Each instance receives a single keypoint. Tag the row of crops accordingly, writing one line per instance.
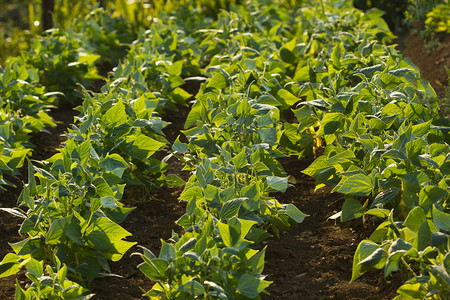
(356, 102)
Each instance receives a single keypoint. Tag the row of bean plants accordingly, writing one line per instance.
(48, 75)
(71, 205)
(386, 149)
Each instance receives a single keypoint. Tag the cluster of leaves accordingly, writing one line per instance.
(384, 146)
(23, 111)
(53, 68)
(438, 19)
(429, 17)
(61, 64)
(117, 123)
(67, 58)
(72, 217)
(104, 34)
(417, 10)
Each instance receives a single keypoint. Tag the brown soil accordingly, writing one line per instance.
(310, 261)
(314, 260)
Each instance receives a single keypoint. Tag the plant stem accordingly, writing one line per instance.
(408, 267)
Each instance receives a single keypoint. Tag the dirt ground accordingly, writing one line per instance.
(310, 261)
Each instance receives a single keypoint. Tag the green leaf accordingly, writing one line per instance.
(257, 261)
(375, 260)
(337, 53)
(116, 115)
(56, 231)
(31, 180)
(240, 160)
(250, 63)
(305, 73)
(225, 234)
(201, 245)
(175, 68)
(351, 209)
(196, 113)
(10, 265)
(268, 135)
(441, 219)
(414, 111)
(364, 250)
(287, 56)
(251, 286)
(231, 208)
(109, 202)
(188, 245)
(36, 268)
(173, 180)
(385, 196)
(381, 213)
(393, 262)
(438, 149)
(430, 195)
(319, 164)
(356, 185)
(411, 291)
(180, 96)
(115, 164)
(193, 287)
(415, 219)
(295, 214)
(279, 184)
(179, 146)
(287, 97)
(421, 129)
(218, 81)
(331, 122)
(168, 252)
(106, 235)
(20, 293)
(414, 148)
(143, 146)
(424, 237)
(377, 124)
(191, 193)
(30, 245)
(155, 268)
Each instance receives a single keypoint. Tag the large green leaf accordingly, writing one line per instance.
(287, 97)
(415, 219)
(356, 185)
(441, 219)
(231, 208)
(116, 115)
(193, 287)
(115, 164)
(279, 184)
(11, 264)
(295, 214)
(364, 250)
(251, 286)
(155, 268)
(351, 209)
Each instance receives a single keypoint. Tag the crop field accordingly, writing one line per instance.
(225, 150)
